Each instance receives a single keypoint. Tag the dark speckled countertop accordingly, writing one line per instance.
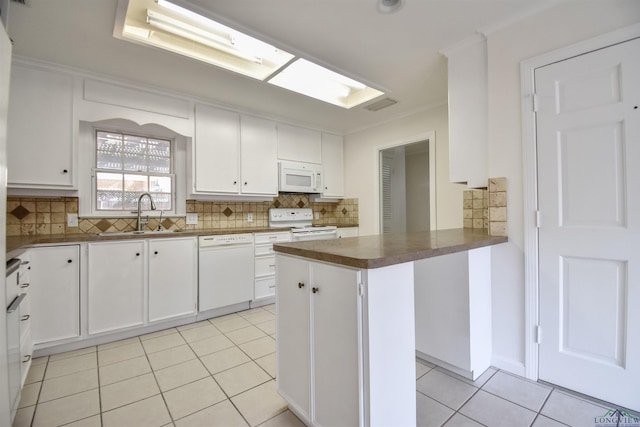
(389, 249)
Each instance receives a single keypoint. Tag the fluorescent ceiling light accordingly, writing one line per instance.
(171, 27)
(165, 25)
(310, 79)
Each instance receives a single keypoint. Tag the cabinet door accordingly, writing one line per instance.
(216, 150)
(337, 369)
(172, 278)
(332, 165)
(292, 329)
(55, 293)
(299, 144)
(116, 285)
(39, 131)
(258, 148)
(467, 80)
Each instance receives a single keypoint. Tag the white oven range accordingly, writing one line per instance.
(300, 220)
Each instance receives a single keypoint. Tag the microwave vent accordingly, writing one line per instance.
(383, 103)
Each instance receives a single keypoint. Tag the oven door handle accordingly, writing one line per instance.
(16, 303)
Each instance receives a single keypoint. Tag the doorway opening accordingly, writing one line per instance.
(407, 187)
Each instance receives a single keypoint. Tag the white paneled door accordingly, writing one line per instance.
(588, 142)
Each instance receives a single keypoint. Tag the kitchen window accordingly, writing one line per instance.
(128, 165)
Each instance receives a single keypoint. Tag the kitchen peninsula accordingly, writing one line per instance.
(347, 317)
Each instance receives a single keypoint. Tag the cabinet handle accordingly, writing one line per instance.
(315, 290)
(25, 318)
(24, 263)
(69, 261)
(272, 265)
(27, 358)
(65, 171)
(24, 285)
(300, 285)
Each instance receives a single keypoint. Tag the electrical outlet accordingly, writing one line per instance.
(72, 220)
(316, 215)
(192, 219)
(249, 217)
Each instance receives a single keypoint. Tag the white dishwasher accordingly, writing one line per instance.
(226, 270)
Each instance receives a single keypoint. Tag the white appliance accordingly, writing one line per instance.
(300, 220)
(226, 270)
(298, 177)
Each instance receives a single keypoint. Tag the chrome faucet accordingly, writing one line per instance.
(153, 208)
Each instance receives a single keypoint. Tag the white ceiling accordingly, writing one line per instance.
(398, 53)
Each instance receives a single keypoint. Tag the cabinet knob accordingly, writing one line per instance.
(137, 253)
(315, 290)
(69, 261)
(300, 285)
(65, 171)
(155, 252)
(245, 183)
(235, 182)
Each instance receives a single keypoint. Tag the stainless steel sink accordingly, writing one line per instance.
(135, 232)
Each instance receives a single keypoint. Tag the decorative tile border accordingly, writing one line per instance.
(48, 215)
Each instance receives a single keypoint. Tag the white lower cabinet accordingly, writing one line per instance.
(26, 342)
(173, 278)
(54, 293)
(115, 285)
(135, 282)
(319, 364)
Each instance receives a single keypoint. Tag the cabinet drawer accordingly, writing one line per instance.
(272, 237)
(265, 266)
(265, 287)
(264, 250)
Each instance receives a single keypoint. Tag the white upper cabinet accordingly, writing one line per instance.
(258, 156)
(216, 167)
(40, 136)
(467, 73)
(299, 144)
(332, 165)
(233, 154)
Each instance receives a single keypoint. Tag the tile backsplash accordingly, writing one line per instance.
(487, 208)
(48, 215)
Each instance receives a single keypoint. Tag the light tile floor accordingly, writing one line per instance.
(221, 372)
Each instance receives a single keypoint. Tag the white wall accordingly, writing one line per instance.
(361, 166)
(5, 67)
(563, 25)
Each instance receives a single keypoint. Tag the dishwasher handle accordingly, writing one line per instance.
(16, 303)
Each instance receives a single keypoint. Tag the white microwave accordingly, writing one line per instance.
(298, 177)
